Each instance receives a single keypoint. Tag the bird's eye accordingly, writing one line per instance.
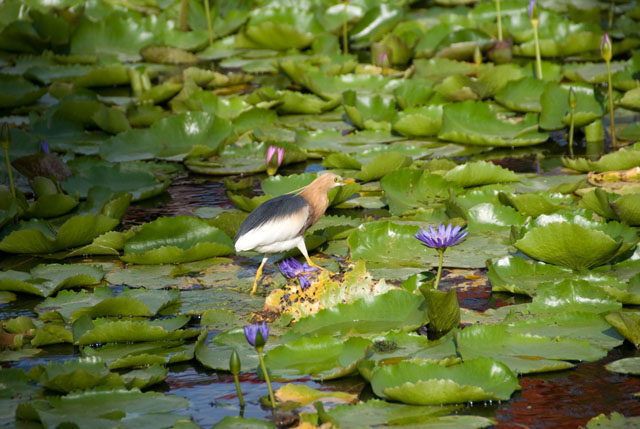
(336, 179)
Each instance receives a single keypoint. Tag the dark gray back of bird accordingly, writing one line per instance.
(279, 207)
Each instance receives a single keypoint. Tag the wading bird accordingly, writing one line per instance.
(279, 224)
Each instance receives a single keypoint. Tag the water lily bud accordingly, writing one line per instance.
(234, 363)
(534, 16)
(477, 56)
(5, 138)
(606, 49)
(572, 99)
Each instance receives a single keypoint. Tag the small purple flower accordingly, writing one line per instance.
(251, 334)
(442, 238)
(44, 146)
(292, 269)
(272, 150)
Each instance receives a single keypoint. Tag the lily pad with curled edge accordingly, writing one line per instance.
(102, 302)
(46, 280)
(487, 216)
(419, 121)
(377, 413)
(176, 239)
(81, 374)
(627, 323)
(17, 91)
(37, 236)
(407, 189)
(396, 309)
(103, 407)
(473, 122)
(534, 205)
(555, 112)
(171, 138)
(374, 112)
(383, 244)
(326, 141)
(524, 353)
(381, 165)
(322, 357)
(622, 159)
(479, 173)
(522, 95)
(518, 275)
(413, 93)
(87, 331)
(426, 383)
(282, 29)
(575, 242)
(125, 355)
(625, 366)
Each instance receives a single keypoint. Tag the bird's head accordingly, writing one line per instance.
(327, 181)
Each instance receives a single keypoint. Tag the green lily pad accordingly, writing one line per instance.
(375, 412)
(574, 245)
(572, 295)
(384, 244)
(102, 407)
(373, 112)
(396, 346)
(125, 355)
(621, 159)
(17, 91)
(407, 189)
(46, 280)
(367, 315)
(524, 353)
(518, 275)
(381, 165)
(613, 421)
(172, 138)
(555, 106)
(322, 357)
(81, 374)
(625, 366)
(87, 331)
(177, 239)
(282, 28)
(522, 95)
(627, 324)
(38, 237)
(419, 121)
(480, 173)
(141, 184)
(426, 383)
(473, 123)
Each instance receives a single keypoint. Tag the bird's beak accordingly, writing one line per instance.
(348, 180)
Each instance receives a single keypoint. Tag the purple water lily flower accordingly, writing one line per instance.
(292, 269)
(44, 146)
(442, 238)
(251, 334)
(532, 9)
(272, 150)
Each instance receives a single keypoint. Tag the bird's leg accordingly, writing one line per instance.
(258, 275)
(303, 249)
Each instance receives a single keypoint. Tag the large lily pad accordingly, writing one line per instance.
(172, 138)
(474, 123)
(323, 357)
(524, 353)
(425, 383)
(177, 239)
(46, 280)
(408, 189)
(480, 173)
(125, 355)
(555, 106)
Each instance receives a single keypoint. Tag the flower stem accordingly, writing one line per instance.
(11, 183)
(207, 11)
(571, 125)
(499, 16)
(240, 397)
(437, 281)
(535, 23)
(266, 377)
(612, 125)
(345, 38)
